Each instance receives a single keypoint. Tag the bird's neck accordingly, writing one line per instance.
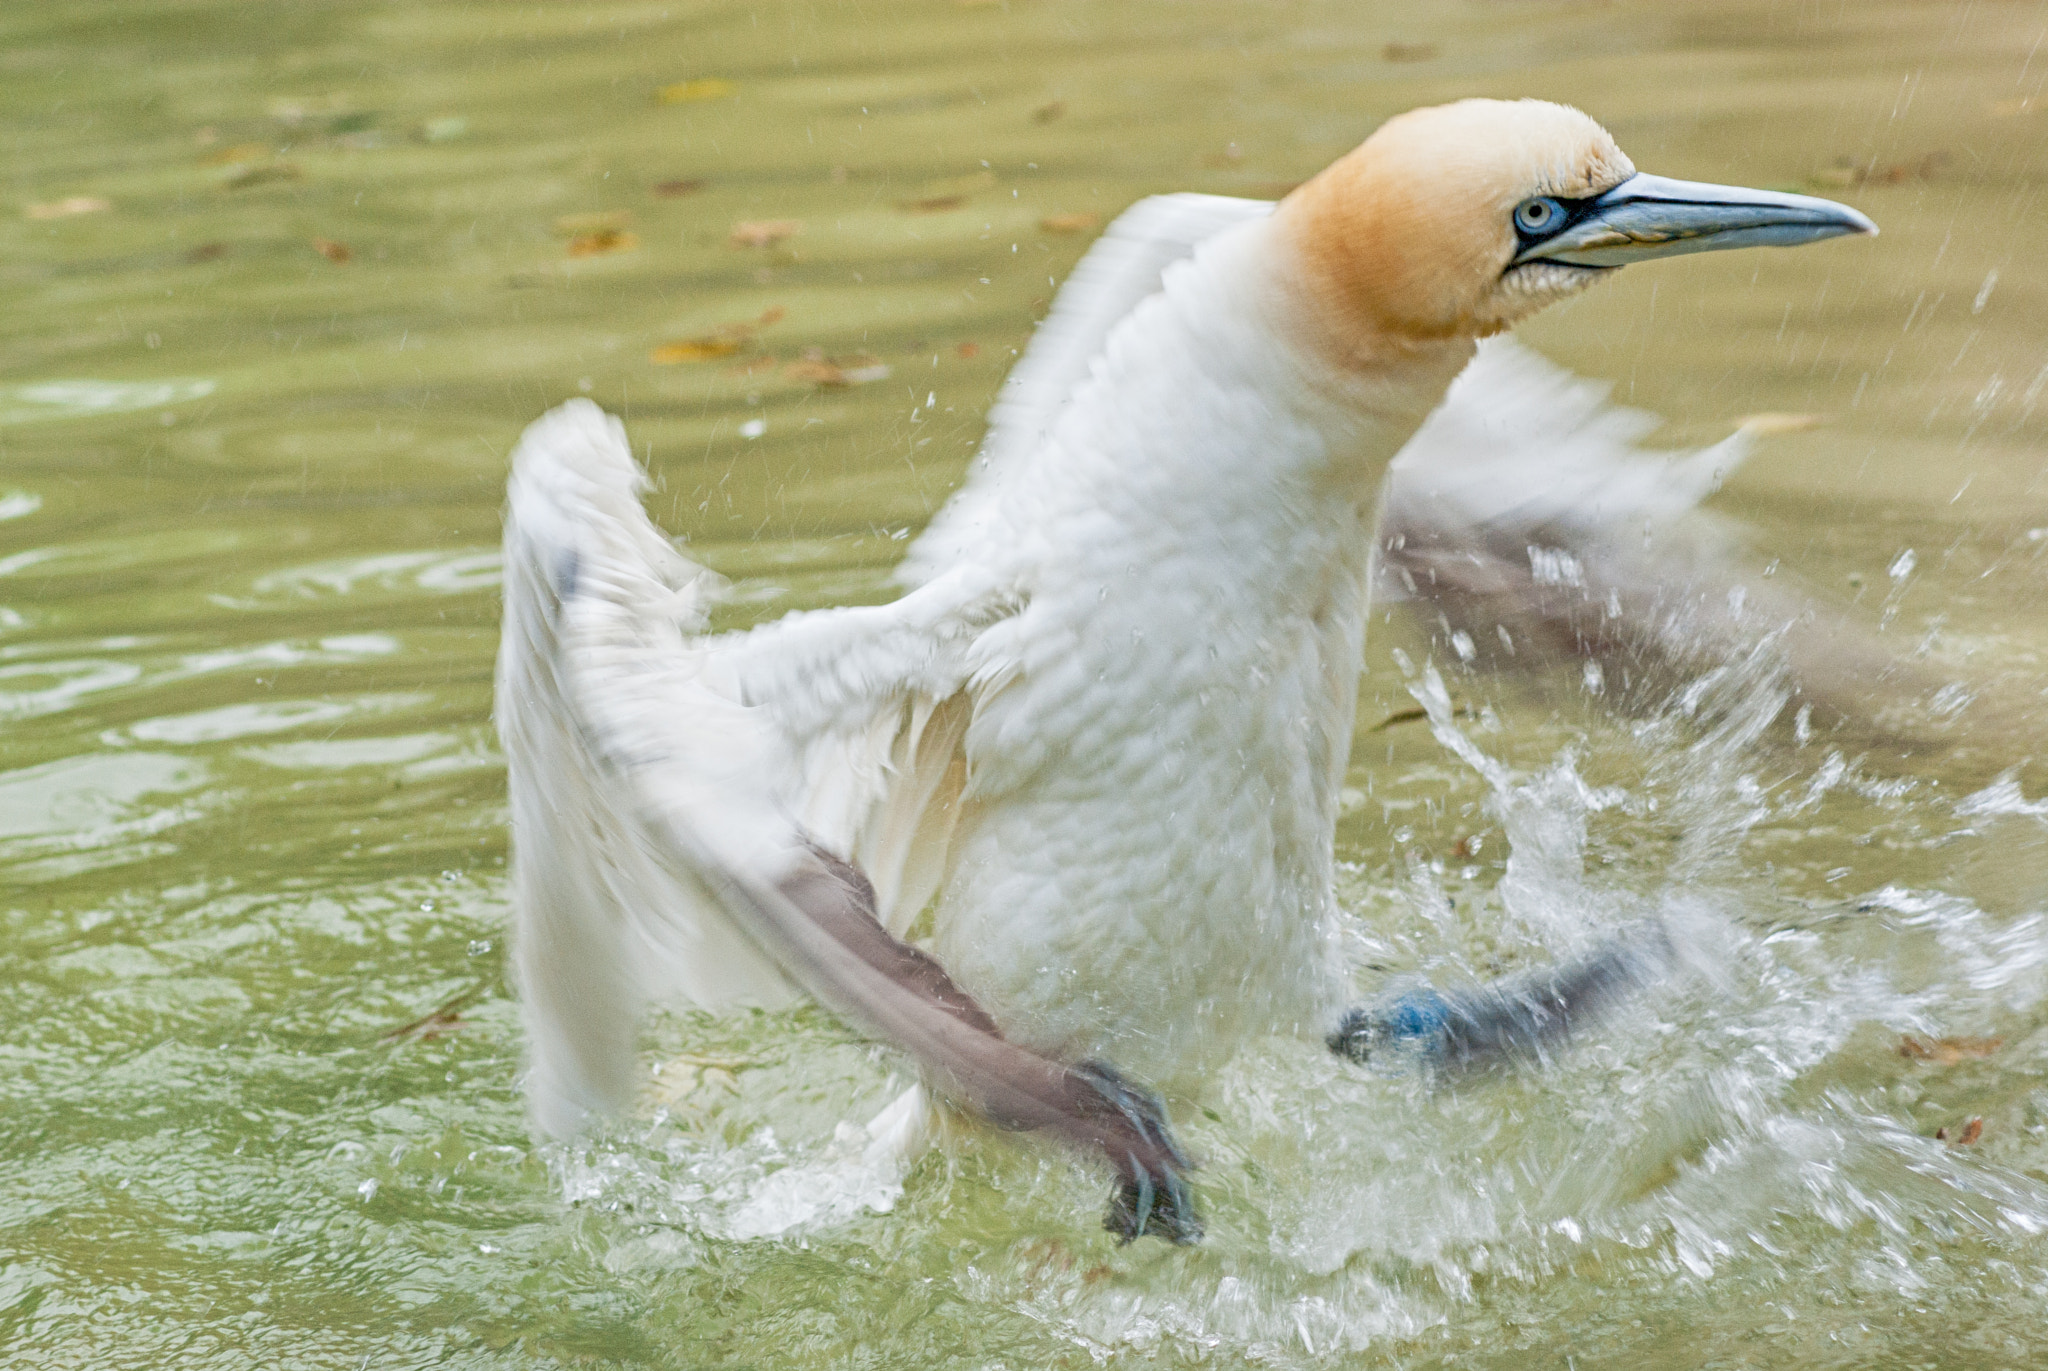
(1229, 420)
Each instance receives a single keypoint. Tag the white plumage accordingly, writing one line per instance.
(1093, 753)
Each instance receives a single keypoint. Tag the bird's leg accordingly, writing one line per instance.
(904, 995)
(1516, 1017)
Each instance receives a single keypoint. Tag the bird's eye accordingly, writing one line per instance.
(1540, 215)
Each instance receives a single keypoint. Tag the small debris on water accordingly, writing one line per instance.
(1948, 1051)
(728, 339)
(696, 350)
(836, 372)
(1971, 1131)
(332, 250)
(603, 241)
(445, 1019)
(263, 174)
(1771, 422)
(764, 233)
(67, 207)
(1079, 222)
(1045, 114)
(676, 189)
(695, 92)
(1409, 52)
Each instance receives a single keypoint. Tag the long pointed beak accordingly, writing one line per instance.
(1654, 216)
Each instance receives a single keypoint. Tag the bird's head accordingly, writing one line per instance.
(1461, 220)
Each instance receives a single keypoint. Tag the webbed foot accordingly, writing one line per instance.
(1516, 1017)
(1151, 1196)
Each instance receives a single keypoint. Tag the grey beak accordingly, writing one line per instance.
(1654, 216)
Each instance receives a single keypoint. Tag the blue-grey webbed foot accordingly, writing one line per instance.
(1517, 1017)
(1151, 1196)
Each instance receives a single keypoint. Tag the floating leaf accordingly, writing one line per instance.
(1408, 52)
(257, 176)
(695, 92)
(968, 351)
(207, 252)
(70, 205)
(696, 350)
(331, 250)
(1069, 223)
(676, 189)
(774, 314)
(1045, 114)
(764, 233)
(603, 241)
(935, 204)
(1972, 1131)
(1948, 1051)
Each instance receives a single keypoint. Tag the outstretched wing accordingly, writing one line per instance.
(1123, 267)
(683, 806)
(1528, 523)
(747, 750)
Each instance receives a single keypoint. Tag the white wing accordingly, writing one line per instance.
(683, 807)
(1123, 267)
(654, 772)
(1522, 444)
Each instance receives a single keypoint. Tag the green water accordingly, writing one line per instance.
(252, 815)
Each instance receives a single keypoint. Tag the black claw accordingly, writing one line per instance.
(1151, 1196)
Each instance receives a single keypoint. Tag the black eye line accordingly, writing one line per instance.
(1574, 211)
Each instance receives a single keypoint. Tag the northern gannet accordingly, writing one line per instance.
(1092, 757)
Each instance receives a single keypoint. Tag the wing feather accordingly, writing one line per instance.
(666, 784)
(1123, 267)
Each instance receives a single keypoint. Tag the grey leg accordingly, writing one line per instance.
(1518, 1017)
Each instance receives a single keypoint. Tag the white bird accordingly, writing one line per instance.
(1092, 757)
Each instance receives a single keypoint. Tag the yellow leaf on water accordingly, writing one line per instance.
(70, 205)
(695, 92)
(331, 250)
(602, 241)
(695, 350)
(764, 233)
(1069, 223)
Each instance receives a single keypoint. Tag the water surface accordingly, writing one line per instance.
(285, 282)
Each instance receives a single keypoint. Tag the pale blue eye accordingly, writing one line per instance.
(1541, 215)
